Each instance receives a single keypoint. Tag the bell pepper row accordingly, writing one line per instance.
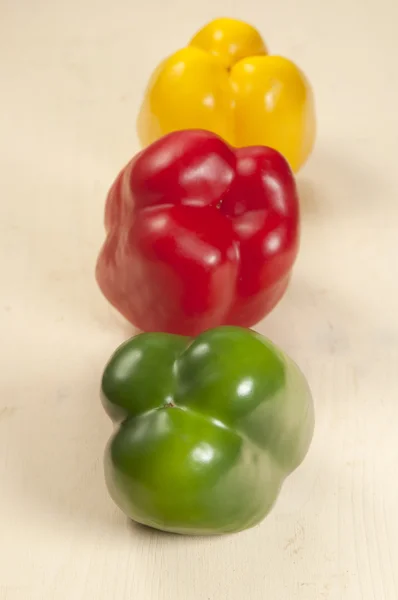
(202, 232)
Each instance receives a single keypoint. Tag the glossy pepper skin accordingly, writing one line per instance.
(207, 429)
(226, 82)
(199, 234)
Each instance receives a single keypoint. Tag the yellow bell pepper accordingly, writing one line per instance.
(226, 82)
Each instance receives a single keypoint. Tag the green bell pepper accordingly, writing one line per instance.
(207, 428)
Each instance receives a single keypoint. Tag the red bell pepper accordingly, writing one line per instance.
(199, 234)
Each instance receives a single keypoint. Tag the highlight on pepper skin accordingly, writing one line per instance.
(226, 81)
(204, 447)
(199, 234)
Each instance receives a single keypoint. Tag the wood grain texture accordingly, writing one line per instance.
(72, 75)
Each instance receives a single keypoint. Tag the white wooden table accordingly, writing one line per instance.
(71, 78)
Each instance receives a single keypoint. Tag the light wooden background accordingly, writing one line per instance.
(71, 78)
